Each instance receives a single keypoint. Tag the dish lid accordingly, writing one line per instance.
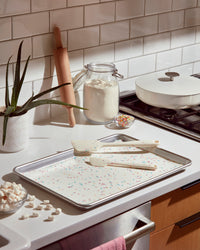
(170, 85)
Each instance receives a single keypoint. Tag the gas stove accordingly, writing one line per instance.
(182, 121)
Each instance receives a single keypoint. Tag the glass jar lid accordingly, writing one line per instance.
(103, 68)
(97, 68)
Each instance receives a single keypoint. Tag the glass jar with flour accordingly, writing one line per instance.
(101, 92)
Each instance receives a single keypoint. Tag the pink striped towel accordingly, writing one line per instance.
(116, 244)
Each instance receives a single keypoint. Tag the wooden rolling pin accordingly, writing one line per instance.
(64, 75)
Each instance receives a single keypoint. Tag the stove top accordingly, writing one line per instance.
(183, 121)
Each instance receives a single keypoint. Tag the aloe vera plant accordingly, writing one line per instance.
(11, 104)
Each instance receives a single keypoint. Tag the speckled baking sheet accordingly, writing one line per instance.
(73, 179)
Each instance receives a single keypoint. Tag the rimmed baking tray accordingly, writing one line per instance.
(71, 178)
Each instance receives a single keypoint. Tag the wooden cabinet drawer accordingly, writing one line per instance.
(175, 206)
(176, 238)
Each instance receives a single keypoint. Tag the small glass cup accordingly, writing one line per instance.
(124, 121)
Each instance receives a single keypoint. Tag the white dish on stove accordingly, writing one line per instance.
(177, 93)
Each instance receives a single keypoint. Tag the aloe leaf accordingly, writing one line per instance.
(5, 123)
(50, 90)
(48, 101)
(9, 110)
(7, 100)
(23, 108)
(25, 68)
(28, 105)
(17, 76)
(22, 79)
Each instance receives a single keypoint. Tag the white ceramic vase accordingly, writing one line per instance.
(17, 134)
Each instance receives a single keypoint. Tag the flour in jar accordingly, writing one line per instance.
(101, 98)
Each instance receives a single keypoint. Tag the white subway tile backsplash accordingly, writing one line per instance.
(2, 99)
(139, 36)
(191, 53)
(156, 43)
(157, 6)
(81, 2)
(183, 37)
(83, 38)
(114, 32)
(128, 49)
(127, 85)
(43, 45)
(10, 48)
(129, 8)
(168, 59)
(76, 60)
(53, 82)
(196, 68)
(3, 76)
(31, 24)
(14, 7)
(5, 28)
(142, 65)
(37, 69)
(104, 53)
(144, 26)
(26, 93)
(171, 21)
(192, 17)
(38, 5)
(198, 34)
(42, 85)
(65, 19)
(185, 69)
(41, 113)
(102, 1)
(183, 4)
(122, 68)
(99, 13)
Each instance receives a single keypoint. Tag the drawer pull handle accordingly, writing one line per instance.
(191, 184)
(147, 227)
(189, 220)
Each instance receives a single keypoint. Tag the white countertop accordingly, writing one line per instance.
(50, 139)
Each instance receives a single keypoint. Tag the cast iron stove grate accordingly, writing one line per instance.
(183, 121)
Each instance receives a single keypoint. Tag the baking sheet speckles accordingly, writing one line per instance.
(81, 183)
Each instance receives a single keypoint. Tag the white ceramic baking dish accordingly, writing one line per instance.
(167, 91)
